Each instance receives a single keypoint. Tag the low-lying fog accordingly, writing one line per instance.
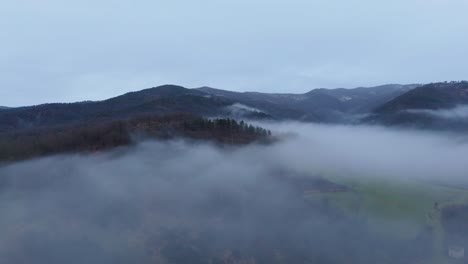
(370, 151)
(185, 202)
(458, 113)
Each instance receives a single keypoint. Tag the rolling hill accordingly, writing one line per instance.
(431, 96)
(434, 106)
(167, 99)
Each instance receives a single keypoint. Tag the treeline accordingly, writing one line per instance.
(101, 136)
(221, 130)
(228, 125)
(48, 141)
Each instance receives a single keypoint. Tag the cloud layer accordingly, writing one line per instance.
(169, 202)
(459, 113)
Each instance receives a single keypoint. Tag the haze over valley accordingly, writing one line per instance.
(176, 175)
(234, 132)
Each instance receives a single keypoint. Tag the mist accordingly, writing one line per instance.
(240, 110)
(189, 202)
(458, 113)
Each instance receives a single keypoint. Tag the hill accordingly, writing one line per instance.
(100, 136)
(167, 99)
(431, 96)
(319, 105)
(435, 105)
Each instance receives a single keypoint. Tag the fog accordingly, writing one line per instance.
(459, 113)
(189, 202)
(238, 109)
(372, 151)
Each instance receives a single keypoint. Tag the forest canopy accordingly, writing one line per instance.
(91, 137)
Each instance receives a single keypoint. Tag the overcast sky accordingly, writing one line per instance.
(55, 50)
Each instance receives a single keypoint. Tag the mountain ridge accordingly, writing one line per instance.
(165, 99)
(439, 106)
(321, 105)
(384, 104)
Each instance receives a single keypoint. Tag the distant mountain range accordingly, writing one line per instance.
(321, 105)
(391, 104)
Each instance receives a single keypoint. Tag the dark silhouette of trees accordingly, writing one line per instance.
(94, 137)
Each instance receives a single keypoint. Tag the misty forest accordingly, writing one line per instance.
(175, 175)
(234, 132)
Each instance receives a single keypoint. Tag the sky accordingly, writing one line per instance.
(64, 51)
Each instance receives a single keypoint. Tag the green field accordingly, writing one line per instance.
(399, 209)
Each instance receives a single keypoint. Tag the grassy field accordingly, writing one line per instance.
(397, 208)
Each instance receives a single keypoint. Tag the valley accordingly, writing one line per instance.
(175, 175)
(234, 132)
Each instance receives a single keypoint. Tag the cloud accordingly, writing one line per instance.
(240, 110)
(170, 202)
(458, 113)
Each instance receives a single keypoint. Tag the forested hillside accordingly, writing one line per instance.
(93, 137)
(440, 106)
(162, 100)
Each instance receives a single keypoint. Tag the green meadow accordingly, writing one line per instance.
(400, 209)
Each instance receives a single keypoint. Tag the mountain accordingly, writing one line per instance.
(275, 105)
(431, 96)
(3, 107)
(362, 99)
(435, 105)
(322, 105)
(165, 99)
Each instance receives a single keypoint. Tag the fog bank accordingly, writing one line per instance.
(457, 113)
(180, 202)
